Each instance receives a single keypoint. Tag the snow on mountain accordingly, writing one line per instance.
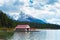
(25, 17)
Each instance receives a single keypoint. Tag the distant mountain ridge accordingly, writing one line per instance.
(6, 22)
(22, 17)
(26, 17)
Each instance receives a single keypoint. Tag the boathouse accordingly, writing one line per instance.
(22, 28)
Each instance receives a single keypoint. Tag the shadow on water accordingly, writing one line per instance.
(28, 36)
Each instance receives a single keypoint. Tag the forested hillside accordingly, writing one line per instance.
(6, 22)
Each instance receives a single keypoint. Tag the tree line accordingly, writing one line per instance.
(6, 22)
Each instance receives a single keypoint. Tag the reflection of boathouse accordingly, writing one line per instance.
(22, 28)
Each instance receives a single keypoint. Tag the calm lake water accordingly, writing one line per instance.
(41, 35)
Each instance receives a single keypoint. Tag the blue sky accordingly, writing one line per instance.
(41, 9)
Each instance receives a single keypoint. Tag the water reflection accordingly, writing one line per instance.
(29, 36)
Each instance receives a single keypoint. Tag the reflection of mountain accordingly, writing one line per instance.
(25, 17)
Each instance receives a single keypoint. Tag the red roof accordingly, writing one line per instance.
(22, 26)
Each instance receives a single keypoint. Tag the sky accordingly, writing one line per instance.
(41, 9)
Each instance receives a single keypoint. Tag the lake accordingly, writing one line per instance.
(40, 35)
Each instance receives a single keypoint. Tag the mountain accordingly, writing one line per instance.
(6, 22)
(22, 17)
(28, 18)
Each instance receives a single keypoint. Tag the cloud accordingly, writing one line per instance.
(54, 21)
(18, 3)
(14, 15)
(41, 9)
(1, 2)
(9, 6)
(49, 12)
